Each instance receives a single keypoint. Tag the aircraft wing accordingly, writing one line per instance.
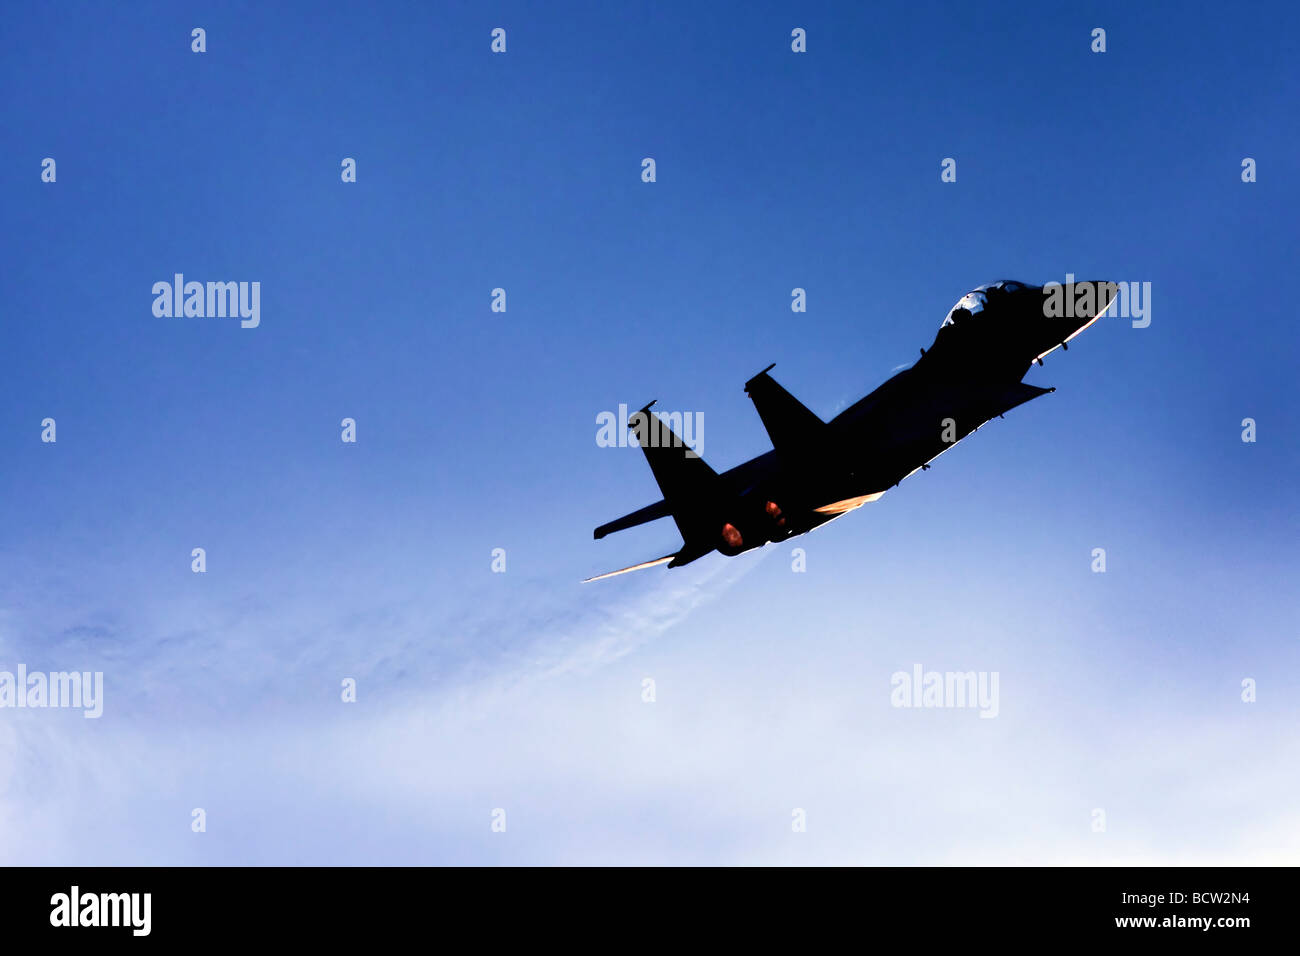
(1017, 394)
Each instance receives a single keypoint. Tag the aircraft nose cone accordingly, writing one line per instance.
(1088, 303)
(1071, 308)
(1085, 300)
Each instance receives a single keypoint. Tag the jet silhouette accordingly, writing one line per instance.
(816, 470)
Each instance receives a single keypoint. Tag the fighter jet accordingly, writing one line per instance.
(819, 470)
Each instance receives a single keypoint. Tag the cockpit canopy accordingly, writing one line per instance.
(977, 300)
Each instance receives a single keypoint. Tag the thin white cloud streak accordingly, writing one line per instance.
(208, 675)
(546, 721)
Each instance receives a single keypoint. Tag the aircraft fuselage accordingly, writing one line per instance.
(816, 471)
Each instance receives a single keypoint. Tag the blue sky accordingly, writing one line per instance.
(476, 430)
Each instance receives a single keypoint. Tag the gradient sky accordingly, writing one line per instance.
(476, 430)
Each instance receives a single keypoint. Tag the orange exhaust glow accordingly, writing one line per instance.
(848, 504)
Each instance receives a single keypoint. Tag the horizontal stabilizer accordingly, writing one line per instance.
(691, 551)
(789, 423)
(649, 513)
(688, 554)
